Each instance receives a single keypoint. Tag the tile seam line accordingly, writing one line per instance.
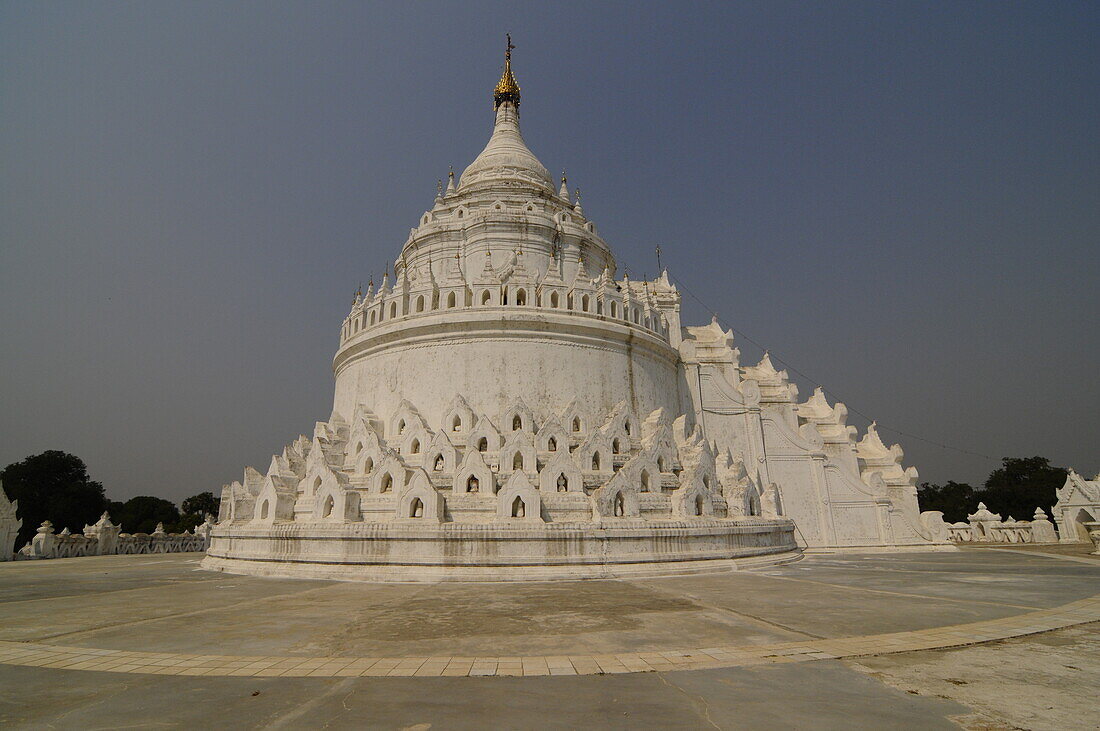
(1028, 607)
(1064, 557)
(761, 621)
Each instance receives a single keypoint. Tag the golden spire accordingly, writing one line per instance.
(507, 89)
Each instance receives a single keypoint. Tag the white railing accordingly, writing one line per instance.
(106, 538)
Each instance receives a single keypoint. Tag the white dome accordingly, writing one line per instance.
(506, 158)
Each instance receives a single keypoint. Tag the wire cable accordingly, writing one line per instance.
(835, 396)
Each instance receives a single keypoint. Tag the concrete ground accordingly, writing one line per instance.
(1082, 551)
(164, 604)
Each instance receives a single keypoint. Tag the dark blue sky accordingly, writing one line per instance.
(901, 200)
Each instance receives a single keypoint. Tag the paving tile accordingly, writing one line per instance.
(346, 672)
(460, 671)
(375, 672)
(430, 670)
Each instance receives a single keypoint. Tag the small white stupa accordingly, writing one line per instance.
(508, 408)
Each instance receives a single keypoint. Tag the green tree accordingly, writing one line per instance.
(200, 504)
(1020, 485)
(955, 499)
(195, 509)
(53, 486)
(142, 513)
(1015, 489)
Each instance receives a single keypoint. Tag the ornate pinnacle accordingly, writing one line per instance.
(507, 90)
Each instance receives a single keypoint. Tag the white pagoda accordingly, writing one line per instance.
(508, 408)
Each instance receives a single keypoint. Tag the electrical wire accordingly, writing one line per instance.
(835, 396)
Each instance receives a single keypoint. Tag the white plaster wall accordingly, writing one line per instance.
(493, 359)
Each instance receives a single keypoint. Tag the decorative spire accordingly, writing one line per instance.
(564, 192)
(507, 89)
(487, 271)
(506, 159)
(577, 206)
(582, 271)
(451, 180)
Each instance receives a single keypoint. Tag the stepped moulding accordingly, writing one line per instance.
(509, 408)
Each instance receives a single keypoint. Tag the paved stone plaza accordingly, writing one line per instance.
(833, 641)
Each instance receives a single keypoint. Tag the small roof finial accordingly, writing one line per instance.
(564, 192)
(507, 90)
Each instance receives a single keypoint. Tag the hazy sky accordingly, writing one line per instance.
(901, 200)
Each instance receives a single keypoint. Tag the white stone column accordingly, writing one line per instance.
(44, 543)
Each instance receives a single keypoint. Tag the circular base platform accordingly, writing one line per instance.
(533, 552)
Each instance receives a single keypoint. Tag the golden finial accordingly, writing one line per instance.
(507, 89)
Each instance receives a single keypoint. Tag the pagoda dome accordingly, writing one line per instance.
(506, 159)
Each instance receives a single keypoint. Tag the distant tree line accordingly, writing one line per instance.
(55, 486)
(1015, 489)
